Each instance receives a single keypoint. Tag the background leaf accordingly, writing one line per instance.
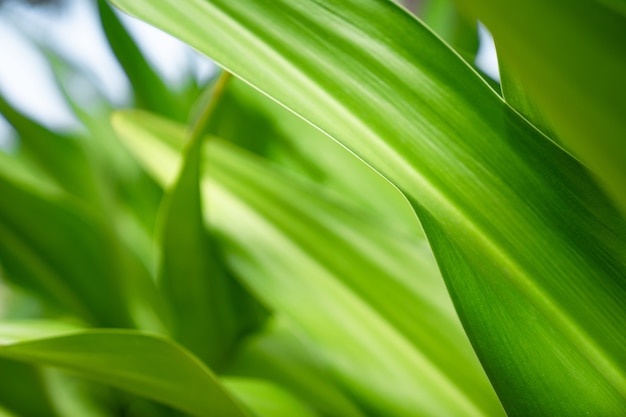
(266, 399)
(151, 92)
(570, 59)
(279, 354)
(22, 390)
(276, 235)
(211, 310)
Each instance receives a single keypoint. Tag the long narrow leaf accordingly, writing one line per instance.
(266, 399)
(569, 56)
(211, 310)
(139, 363)
(252, 120)
(281, 355)
(524, 217)
(371, 301)
(62, 157)
(54, 258)
(150, 90)
(517, 97)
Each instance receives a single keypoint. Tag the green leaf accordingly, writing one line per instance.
(72, 259)
(570, 58)
(266, 399)
(73, 396)
(53, 257)
(542, 250)
(130, 197)
(6, 413)
(296, 261)
(23, 391)
(63, 158)
(279, 353)
(617, 5)
(211, 310)
(142, 364)
(453, 25)
(150, 90)
(517, 97)
(322, 266)
(296, 145)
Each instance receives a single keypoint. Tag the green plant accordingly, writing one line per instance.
(244, 263)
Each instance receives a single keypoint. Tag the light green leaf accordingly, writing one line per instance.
(543, 252)
(33, 391)
(323, 267)
(266, 399)
(252, 120)
(142, 364)
(281, 354)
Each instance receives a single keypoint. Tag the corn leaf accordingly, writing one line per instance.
(142, 364)
(150, 90)
(73, 260)
(280, 354)
(517, 97)
(211, 310)
(541, 253)
(453, 25)
(130, 197)
(570, 58)
(23, 391)
(277, 236)
(278, 135)
(266, 399)
(43, 256)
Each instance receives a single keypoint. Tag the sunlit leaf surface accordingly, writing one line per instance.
(356, 290)
(533, 253)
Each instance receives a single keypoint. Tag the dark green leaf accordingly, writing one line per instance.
(570, 57)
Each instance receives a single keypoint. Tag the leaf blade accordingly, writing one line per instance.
(275, 230)
(491, 180)
(143, 364)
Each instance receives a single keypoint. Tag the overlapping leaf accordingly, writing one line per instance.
(139, 363)
(281, 355)
(570, 58)
(71, 259)
(370, 301)
(280, 136)
(533, 253)
(210, 309)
